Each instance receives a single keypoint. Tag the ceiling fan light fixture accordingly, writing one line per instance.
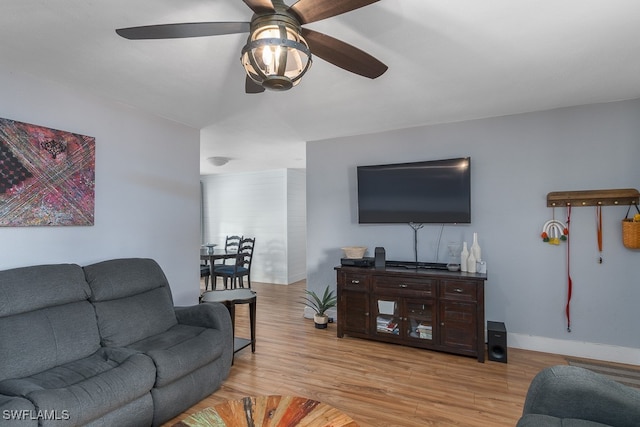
(276, 55)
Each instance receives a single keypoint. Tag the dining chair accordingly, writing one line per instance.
(240, 269)
(205, 271)
(231, 244)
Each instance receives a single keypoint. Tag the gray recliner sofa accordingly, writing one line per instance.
(569, 396)
(134, 310)
(103, 345)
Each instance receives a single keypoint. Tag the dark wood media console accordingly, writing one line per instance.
(427, 308)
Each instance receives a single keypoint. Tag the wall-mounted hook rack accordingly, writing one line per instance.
(624, 196)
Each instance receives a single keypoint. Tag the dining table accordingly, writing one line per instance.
(211, 254)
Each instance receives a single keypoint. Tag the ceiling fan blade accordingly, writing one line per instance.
(315, 10)
(252, 87)
(343, 55)
(260, 6)
(178, 31)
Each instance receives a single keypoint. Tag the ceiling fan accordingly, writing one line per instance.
(278, 49)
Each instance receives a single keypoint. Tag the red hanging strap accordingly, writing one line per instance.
(599, 230)
(569, 282)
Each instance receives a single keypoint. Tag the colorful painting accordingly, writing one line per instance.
(47, 176)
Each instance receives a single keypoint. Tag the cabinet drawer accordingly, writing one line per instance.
(460, 290)
(356, 282)
(406, 286)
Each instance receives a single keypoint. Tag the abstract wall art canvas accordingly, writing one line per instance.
(47, 176)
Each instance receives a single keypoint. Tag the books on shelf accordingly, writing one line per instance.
(425, 331)
(387, 324)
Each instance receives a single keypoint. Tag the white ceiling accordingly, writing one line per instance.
(448, 61)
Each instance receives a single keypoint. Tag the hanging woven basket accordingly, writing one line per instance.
(631, 231)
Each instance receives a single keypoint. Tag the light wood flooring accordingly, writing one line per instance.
(377, 384)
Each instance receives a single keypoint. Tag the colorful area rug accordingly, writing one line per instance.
(625, 375)
(269, 411)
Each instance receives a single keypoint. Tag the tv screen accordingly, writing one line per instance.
(436, 191)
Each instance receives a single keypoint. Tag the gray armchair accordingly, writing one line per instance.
(569, 396)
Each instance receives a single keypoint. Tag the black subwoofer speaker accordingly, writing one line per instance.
(497, 341)
(380, 258)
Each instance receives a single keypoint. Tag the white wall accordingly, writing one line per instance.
(260, 204)
(296, 225)
(147, 193)
(516, 161)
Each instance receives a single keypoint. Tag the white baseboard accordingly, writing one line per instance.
(297, 277)
(587, 350)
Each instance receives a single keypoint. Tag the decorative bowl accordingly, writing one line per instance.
(210, 247)
(354, 252)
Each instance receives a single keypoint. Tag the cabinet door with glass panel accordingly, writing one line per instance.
(420, 320)
(388, 317)
(405, 319)
(405, 308)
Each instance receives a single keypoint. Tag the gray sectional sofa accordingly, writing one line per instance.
(569, 396)
(103, 345)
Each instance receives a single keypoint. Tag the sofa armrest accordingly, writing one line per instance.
(17, 412)
(572, 392)
(210, 315)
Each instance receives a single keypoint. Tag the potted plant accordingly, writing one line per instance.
(320, 305)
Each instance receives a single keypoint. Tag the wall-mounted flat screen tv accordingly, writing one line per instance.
(436, 191)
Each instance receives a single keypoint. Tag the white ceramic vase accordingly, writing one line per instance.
(471, 263)
(475, 248)
(464, 255)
